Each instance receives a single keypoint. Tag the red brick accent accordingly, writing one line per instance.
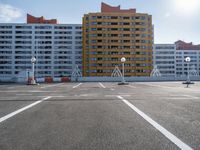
(29, 80)
(181, 45)
(41, 20)
(107, 8)
(65, 79)
(48, 79)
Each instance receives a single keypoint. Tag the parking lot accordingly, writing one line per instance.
(100, 116)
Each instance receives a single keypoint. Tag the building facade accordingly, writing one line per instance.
(184, 50)
(112, 34)
(164, 59)
(170, 58)
(57, 48)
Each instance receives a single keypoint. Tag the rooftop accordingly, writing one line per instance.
(181, 45)
(107, 8)
(31, 19)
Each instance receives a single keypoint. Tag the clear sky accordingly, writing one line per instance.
(173, 19)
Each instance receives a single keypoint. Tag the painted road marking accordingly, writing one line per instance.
(153, 85)
(181, 97)
(83, 95)
(131, 86)
(164, 131)
(52, 85)
(23, 94)
(102, 85)
(192, 97)
(77, 85)
(160, 86)
(115, 95)
(22, 109)
(126, 93)
(11, 87)
(27, 91)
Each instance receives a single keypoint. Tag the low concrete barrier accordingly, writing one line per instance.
(135, 79)
(99, 79)
(40, 80)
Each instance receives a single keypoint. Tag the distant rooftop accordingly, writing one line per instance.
(181, 45)
(31, 19)
(107, 8)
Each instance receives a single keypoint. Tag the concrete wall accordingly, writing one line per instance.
(107, 79)
(134, 79)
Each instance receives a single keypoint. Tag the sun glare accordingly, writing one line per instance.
(187, 7)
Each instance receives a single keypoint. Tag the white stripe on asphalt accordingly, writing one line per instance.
(22, 109)
(77, 85)
(52, 85)
(26, 91)
(165, 132)
(102, 85)
(192, 97)
(23, 94)
(11, 87)
(131, 86)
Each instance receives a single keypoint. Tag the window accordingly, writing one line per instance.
(126, 17)
(114, 17)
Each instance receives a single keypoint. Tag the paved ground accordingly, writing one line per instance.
(100, 116)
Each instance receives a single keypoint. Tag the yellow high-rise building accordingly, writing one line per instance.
(112, 34)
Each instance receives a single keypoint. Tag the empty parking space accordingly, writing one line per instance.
(91, 116)
(87, 124)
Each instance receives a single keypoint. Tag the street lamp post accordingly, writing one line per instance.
(33, 60)
(28, 76)
(187, 59)
(188, 82)
(123, 60)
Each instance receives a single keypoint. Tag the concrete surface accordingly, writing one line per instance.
(90, 116)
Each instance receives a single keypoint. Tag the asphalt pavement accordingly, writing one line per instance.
(100, 116)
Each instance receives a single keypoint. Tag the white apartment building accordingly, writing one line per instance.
(57, 48)
(170, 58)
(164, 59)
(181, 64)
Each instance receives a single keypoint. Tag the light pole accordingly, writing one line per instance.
(187, 59)
(28, 76)
(123, 60)
(188, 82)
(33, 60)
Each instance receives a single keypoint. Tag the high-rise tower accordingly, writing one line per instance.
(112, 34)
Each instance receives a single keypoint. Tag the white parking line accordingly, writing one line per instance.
(159, 86)
(27, 91)
(23, 94)
(77, 85)
(52, 85)
(131, 86)
(22, 109)
(115, 95)
(102, 85)
(192, 97)
(181, 97)
(11, 87)
(164, 131)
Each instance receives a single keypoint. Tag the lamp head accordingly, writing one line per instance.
(187, 59)
(33, 60)
(123, 59)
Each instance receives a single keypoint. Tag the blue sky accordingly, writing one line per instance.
(172, 19)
